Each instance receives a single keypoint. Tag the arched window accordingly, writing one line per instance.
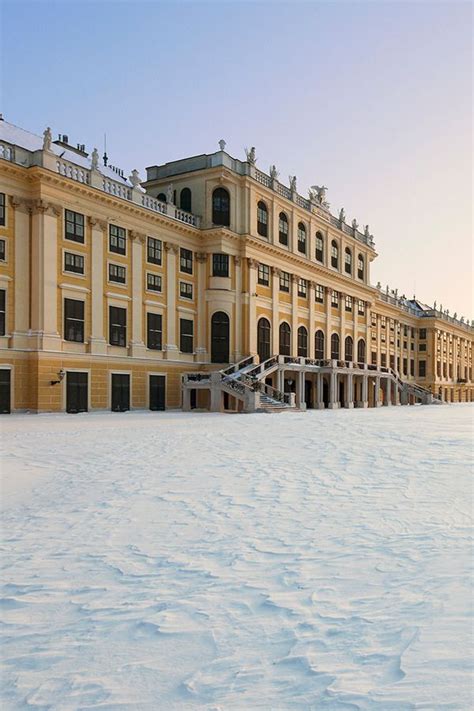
(302, 342)
(185, 199)
(161, 197)
(335, 346)
(334, 254)
(349, 349)
(301, 238)
(360, 266)
(319, 345)
(262, 219)
(285, 339)
(348, 261)
(263, 339)
(221, 207)
(220, 337)
(319, 247)
(361, 351)
(283, 229)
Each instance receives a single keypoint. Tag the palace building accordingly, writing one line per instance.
(211, 284)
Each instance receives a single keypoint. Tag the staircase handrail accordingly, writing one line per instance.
(260, 386)
(248, 360)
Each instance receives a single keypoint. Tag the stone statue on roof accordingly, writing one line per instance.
(367, 232)
(292, 179)
(135, 178)
(169, 194)
(321, 191)
(95, 159)
(342, 215)
(355, 224)
(222, 145)
(251, 157)
(273, 172)
(47, 139)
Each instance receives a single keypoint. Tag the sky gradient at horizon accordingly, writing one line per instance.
(372, 99)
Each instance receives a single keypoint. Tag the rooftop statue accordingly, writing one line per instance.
(342, 215)
(273, 172)
(95, 159)
(355, 224)
(367, 232)
(292, 179)
(251, 157)
(135, 178)
(379, 285)
(47, 139)
(169, 194)
(222, 145)
(321, 191)
(434, 306)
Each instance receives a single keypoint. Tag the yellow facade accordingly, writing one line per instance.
(139, 254)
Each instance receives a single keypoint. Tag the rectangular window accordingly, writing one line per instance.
(405, 366)
(392, 362)
(186, 260)
(264, 274)
(153, 282)
(2, 250)
(185, 290)
(186, 335)
(154, 250)
(335, 299)
(3, 294)
(422, 346)
(74, 320)
(383, 337)
(405, 331)
(319, 247)
(302, 288)
(2, 209)
(154, 331)
(383, 360)
(412, 332)
(405, 345)
(374, 319)
(383, 322)
(422, 334)
(361, 308)
(373, 358)
(220, 265)
(319, 294)
(117, 242)
(284, 281)
(348, 303)
(117, 273)
(74, 226)
(422, 368)
(412, 366)
(117, 326)
(73, 263)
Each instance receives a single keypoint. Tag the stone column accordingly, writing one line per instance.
(333, 403)
(21, 325)
(311, 329)
(342, 307)
(98, 340)
(377, 402)
(275, 310)
(368, 332)
(396, 394)
(238, 310)
(294, 315)
(281, 380)
(44, 286)
(137, 345)
(252, 321)
(387, 401)
(349, 392)
(171, 348)
(300, 390)
(327, 339)
(201, 348)
(365, 391)
(319, 395)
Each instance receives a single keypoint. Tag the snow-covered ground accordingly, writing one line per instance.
(315, 560)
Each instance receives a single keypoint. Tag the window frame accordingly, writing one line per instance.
(301, 238)
(3, 312)
(120, 328)
(75, 323)
(158, 346)
(265, 279)
(302, 288)
(334, 254)
(151, 248)
(3, 210)
(75, 255)
(319, 252)
(348, 261)
(111, 266)
(74, 236)
(118, 240)
(150, 288)
(283, 220)
(285, 282)
(183, 336)
(3, 242)
(186, 290)
(186, 261)
(220, 270)
(262, 224)
(319, 294)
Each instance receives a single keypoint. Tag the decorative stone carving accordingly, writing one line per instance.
(276, 272)
(169, 194)
(95, 159)
(355, 224)
(46, 208)
(47, 139)
(222, 145)
(379, 285)
(97, 222)
(135, 178)
(253, 264)
(170, 247)
(320, 191)
(251, 157)
(342, 215)
(138, 236)
(237, 260)
(292, 179)
(20, 203)
(201, 257)
(273, 172)
(367, 232)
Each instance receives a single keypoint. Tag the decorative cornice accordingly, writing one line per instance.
(21, 204)
(46, 208)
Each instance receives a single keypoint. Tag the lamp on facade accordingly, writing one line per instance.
(61, 375)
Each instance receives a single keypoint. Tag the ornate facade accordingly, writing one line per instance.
(117, 293)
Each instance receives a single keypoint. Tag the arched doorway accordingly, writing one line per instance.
(263, 339)
(220, 337)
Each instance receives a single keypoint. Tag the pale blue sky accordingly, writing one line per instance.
(373, 99)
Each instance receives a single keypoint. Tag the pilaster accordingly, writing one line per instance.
(252, 320)
(22, 272)
(201, 349)
(275, 311)
(44, 286)
(294, 315)
(171, 347)
(238, 310)
(137, 345)
(98, 342)
(311, 295)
